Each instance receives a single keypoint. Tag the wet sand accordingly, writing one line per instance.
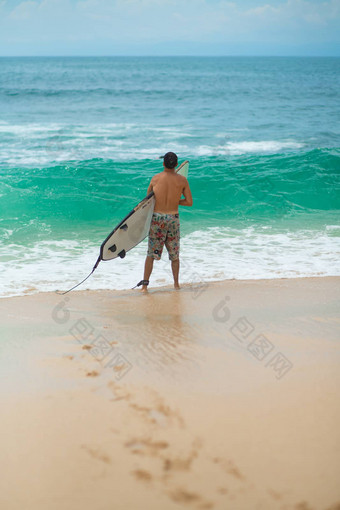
(219, 396)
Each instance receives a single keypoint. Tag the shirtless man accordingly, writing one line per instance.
(168, 188)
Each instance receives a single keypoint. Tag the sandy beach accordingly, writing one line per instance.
(218, 396)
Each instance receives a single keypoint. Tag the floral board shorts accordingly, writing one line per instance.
(164, 229)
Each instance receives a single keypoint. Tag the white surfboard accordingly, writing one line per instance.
(134, 227)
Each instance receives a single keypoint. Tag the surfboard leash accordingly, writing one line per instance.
(88, 276)
(142, 282)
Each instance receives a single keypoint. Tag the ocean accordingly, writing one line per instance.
(80, 139)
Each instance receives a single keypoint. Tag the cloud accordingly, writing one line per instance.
(24, 11)
(135, 22)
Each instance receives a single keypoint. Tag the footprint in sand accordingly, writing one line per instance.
(119, 392)
(303, 505)
(142, 475)
(185, 497)
(158, 413)
(336, 506)
(155, 411)
(275, 495)
(158, 417)
(229, 467)
(96, 454)
(182, 463)
(146, 446)
(93, 373)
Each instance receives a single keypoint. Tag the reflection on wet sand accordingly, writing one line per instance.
(158, 335)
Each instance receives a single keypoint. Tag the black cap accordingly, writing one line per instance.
(170, 160)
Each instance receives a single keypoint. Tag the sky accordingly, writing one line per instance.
(169, 27)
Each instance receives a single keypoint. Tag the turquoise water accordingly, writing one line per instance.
(80, 140)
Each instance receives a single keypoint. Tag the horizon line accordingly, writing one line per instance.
(170, 56)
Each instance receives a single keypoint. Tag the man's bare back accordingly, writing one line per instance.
(168, 187)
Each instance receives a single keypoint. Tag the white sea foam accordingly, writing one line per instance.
(214, 254)
(45, 143)
(28, 129)
(239, 148)
(332, 227)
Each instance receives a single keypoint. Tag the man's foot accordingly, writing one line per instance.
(144, 288)
(176, 285)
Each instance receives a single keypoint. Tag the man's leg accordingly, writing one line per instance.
(175, 272)
(147, 271)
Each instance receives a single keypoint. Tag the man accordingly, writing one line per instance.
(168, 188)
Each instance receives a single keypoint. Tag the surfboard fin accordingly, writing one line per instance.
(113, 248)
(124, 227)
(122, 254)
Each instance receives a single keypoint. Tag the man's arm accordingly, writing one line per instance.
(150, 188)
(187, 194)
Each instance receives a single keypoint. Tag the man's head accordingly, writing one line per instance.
(170, 160)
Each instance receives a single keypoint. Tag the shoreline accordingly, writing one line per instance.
(217, 398)
(185, 285)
